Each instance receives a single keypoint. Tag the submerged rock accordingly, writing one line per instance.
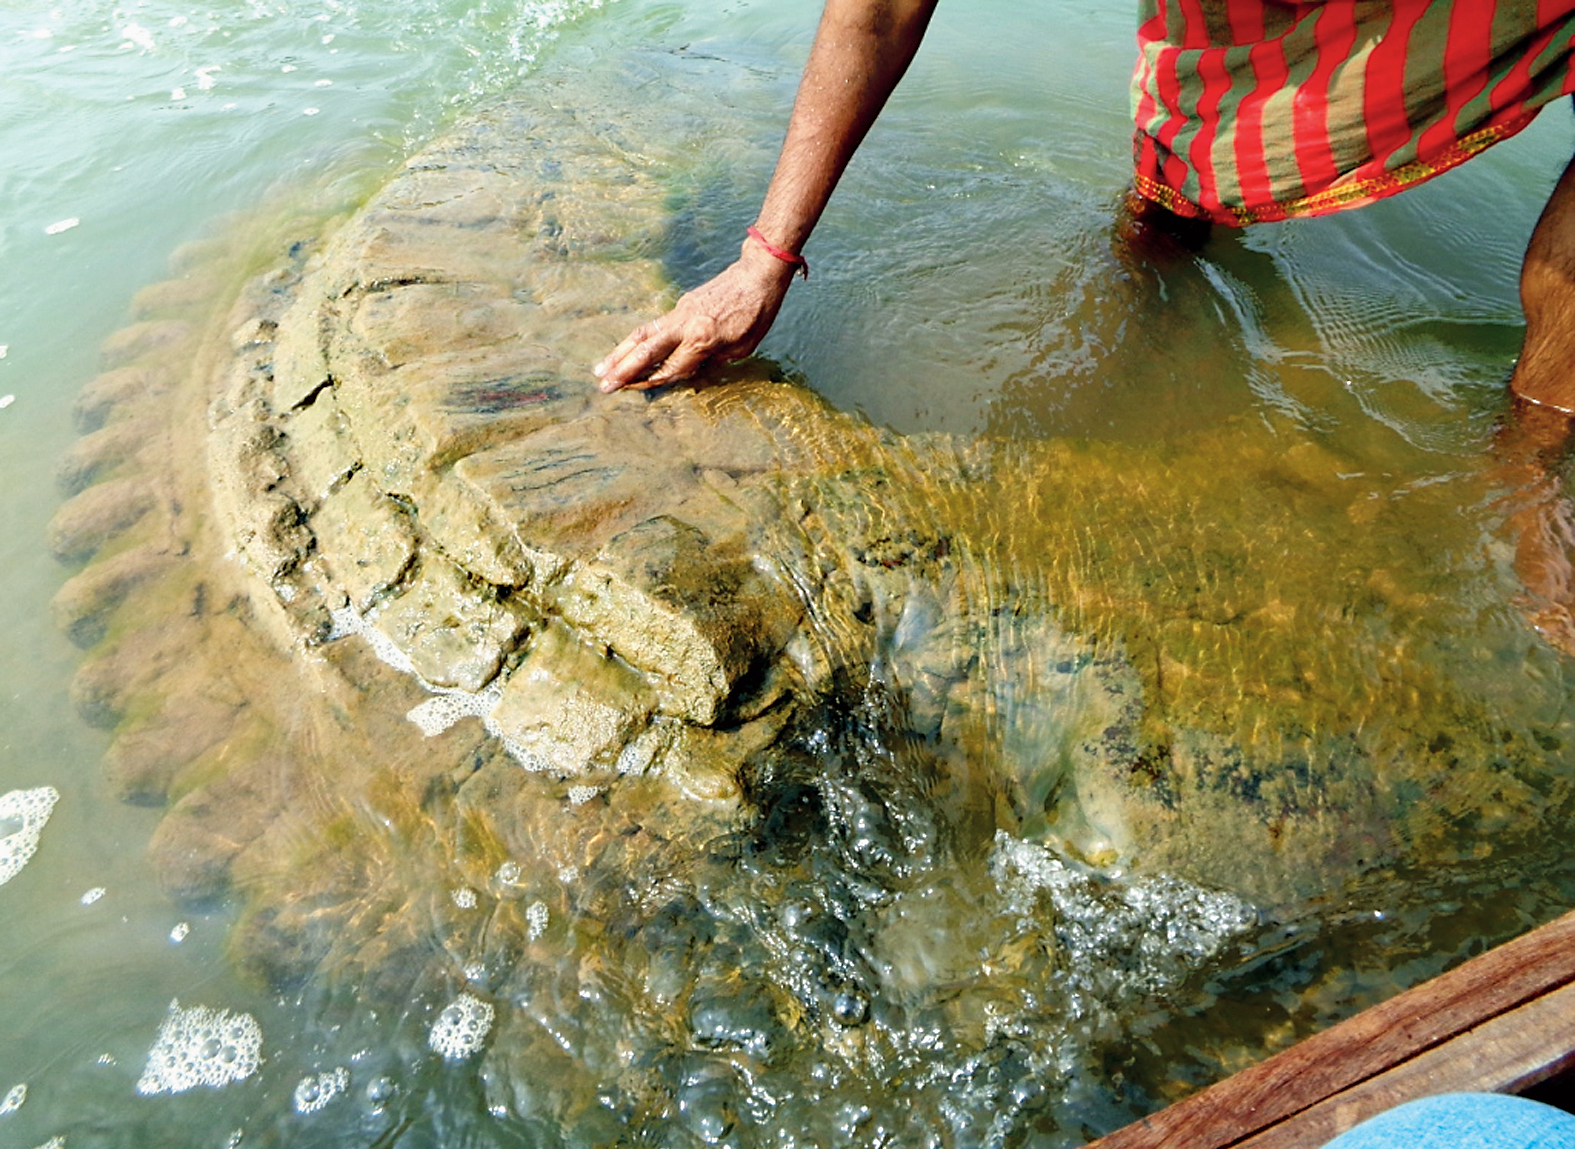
(726, 711)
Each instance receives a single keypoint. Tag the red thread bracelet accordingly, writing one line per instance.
(781, 253)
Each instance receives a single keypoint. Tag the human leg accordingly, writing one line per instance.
(1545, 373)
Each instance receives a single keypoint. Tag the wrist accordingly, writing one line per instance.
(757, 244)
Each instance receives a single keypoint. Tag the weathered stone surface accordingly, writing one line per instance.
(96, 515)
(455, 630)
(368, 539)
(95, 456)
(570, 709)
(117, 387)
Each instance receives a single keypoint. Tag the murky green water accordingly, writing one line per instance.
(964, 282)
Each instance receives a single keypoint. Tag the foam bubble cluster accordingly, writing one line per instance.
(441, 711)
(464, 898)
(447, 704)
(461, 1028)
(1142, 933)
(28, 811)
(318, 1089)
(13, 1099)
(201, 1046)
(536, 918)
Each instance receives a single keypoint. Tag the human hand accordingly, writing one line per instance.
(719, 321)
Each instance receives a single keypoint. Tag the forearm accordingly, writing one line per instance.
(862, 48)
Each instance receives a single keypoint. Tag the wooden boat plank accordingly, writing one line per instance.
(1363, 1047)
(1512, 1052)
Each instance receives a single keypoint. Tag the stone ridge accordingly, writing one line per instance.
(424, 447)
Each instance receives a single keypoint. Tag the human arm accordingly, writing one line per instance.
(861, 50)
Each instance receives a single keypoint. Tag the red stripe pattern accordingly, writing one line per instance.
(1255, 110)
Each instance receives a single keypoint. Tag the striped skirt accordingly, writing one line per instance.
(1254, 110)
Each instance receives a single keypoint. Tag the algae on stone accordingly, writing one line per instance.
(745, 694)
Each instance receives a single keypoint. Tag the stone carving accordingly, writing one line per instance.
(385, 602)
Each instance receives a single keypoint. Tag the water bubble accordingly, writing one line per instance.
(461, 1028)
(851, 1008)
(379, 1091)
(201, 1046)
(509, 873)
(13, 1099)
(92, 895)
(178, 934)
(316, 1091)
(464, 898)
(29, 810)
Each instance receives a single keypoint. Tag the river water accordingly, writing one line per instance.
(963, 284)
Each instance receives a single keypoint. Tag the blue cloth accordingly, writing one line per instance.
(1464, 1121)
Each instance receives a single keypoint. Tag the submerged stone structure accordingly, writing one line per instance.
(686, 721)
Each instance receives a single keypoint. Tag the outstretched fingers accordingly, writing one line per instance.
(644, 349)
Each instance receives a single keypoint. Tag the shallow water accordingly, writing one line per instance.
(963, 283)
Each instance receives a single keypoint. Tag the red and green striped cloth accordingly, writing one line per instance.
(1255, 110)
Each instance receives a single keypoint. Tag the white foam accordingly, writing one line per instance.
(13, 1099)
(536, 918)
(508, 873)
(464, 898)
(138, 35)
(1121, 932)
(447, 704)
(56, 1142)
(579, 795)
(32, 808)
(6, 401)
(61, 225)
(317, 1090)
(92, 895)
(461, 1028)
(201, 1046)
(178, 934)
